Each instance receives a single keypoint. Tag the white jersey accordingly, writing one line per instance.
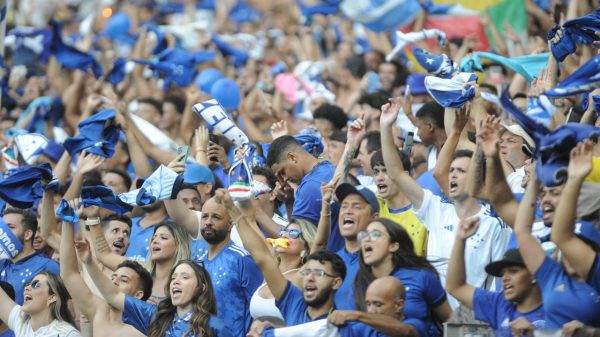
(487, 245)
(22, 326)
(514, 180)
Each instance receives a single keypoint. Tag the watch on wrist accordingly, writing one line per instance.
(92, 221)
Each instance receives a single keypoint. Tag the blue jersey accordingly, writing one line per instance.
(493, 308)
(235, 277)
(336, 241)
(594, 273)
(199, 248)
(293, 308)
(139, 241)
(22, 272)
(566, 299)
(344, 296)
(140, 314)
(424, 291)
(7, 333)
(359, 329)
(307, 204)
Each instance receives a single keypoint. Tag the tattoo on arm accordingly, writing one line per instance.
(101, 245)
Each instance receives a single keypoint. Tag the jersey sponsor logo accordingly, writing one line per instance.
(10, 246)
(450, 228)
(560, 288)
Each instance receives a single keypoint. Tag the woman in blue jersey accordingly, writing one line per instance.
(189, 308)
(566, 295)
(387, 249)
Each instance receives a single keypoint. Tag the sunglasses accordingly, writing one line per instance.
(372, 235)
(320, 273)
(291, 233)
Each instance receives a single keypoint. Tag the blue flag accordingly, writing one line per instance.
(37, 40)
(95, 135)
(585, 78)
(438, 65)
(576, 31)
(69, 56)
(451, 92)
(381, 16)
(117, 74)
(327, 7)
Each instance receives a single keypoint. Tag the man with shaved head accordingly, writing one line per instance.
(384, 300)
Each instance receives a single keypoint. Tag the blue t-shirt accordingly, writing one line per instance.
(344, 296)
(20, 273)
(493, 308)
(594, 274)
(140, 314)
(566, 299)
(336, 241)
(199, 248)
(293, 308)
(235, 277)
(139, 241)
(359, 329)
(7, 333)
(307, 204)
(424, 291)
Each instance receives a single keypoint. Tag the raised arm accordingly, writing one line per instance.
(138, 156)
(48, 228)
(456, 280)
(83, 298)
(6, 305)
(442, 166)
(111, 294)
(497, 189)
(355, 133)
(324, 227)
(413, 191)
(531, 250)
(177, 209)
(86, 162)
(385, 324)
(243, 218)
(578, 253)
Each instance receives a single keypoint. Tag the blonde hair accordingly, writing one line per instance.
(58, 309)
(309, 231)
(182, 243)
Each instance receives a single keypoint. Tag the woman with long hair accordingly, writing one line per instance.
(169, 245)
(300, 235)
(387, 249)
(188, 309)
(44, 310)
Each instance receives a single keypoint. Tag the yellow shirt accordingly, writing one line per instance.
(594, 175)
(406, 218)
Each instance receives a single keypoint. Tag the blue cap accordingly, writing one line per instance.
(207, 78)
(417, 84)
(346, 189)
(198, 174)
(227, 93)
(587, 231)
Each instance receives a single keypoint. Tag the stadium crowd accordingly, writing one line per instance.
(240, 168)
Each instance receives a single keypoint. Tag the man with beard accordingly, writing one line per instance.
(142, 229)
(21, 269)
(234, 275)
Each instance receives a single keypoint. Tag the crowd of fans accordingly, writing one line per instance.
(348, 194)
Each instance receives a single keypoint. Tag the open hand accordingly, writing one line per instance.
(580, 164)
(488, 136)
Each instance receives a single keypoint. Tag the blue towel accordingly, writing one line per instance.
(576, 31)
(240, 57)
(453, 92)
(66, 213)
(585, 78)
(70, 57)
(552, 147)
(162, 184)
(528, 66)
(24, 186)
(117, 74)
(104, 197)
(94, 136)
(437, 65)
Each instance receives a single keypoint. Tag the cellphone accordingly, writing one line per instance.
(183, 149)
(212, 138)
(408, 143)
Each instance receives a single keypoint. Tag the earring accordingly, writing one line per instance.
(303, 253)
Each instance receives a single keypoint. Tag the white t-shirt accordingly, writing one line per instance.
(431, 157)
(22, 326)
(514, 180)
(487, 245)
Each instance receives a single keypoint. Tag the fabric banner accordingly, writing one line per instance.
(10, 246)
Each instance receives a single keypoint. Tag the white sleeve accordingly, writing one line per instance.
(199, 216)
(15, 319)
(430, 209)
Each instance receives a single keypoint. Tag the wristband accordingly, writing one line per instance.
(91, 222)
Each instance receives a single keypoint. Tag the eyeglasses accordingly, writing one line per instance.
(372, 235)
(291, 233)
(35, 284)
(317, 272)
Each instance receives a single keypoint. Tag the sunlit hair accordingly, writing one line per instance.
(58, 309)
(182, 243)
(204, 305)
(404, 257)
(309, 231)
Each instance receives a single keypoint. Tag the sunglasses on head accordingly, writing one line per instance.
(291, 233)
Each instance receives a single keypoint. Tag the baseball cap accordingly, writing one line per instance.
(346, 189)
(198, 174)
(512, 257)
(517, 130)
